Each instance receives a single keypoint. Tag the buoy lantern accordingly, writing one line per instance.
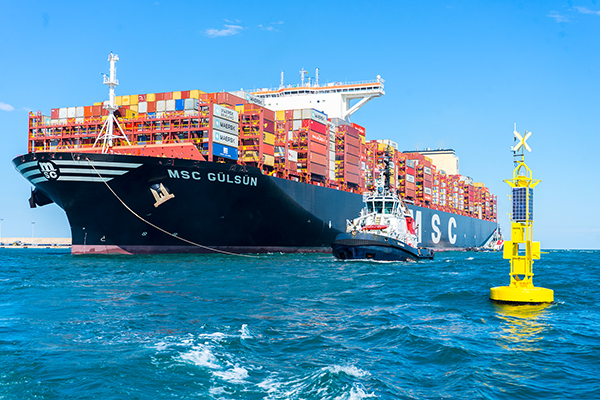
(521, 250)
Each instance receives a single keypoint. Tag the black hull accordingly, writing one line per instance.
(367, 246)
(110, 204)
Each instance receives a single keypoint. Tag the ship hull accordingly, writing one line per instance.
(134, 204)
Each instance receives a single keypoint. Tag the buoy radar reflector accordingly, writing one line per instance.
(521, 250)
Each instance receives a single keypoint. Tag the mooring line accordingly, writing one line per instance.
(159, 228)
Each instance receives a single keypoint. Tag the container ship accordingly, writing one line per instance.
(273, 170)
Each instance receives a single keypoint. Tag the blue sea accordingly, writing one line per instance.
(300, 326)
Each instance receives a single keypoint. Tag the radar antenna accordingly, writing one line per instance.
(107, 135)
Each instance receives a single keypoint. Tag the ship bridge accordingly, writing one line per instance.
(332, 98)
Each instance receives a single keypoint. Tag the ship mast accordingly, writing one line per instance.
(107, 135)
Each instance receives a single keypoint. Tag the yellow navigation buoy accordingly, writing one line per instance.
(521, 250)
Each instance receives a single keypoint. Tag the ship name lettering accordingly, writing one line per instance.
(436, 235)
(195, 175)
(234, 179)
(451, 236)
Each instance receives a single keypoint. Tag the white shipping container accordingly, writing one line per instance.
(225, 113)
(310, 113)
(143, 107)
(225, 126)
(296, 124)
(62, 121)
(389, 143)
(191, 104)
(292, 155)
(410, 178)
(160, 106)
(169, 105)
(79, 112)
(332, 174)
(297, 114)
(71, 112)
(226, 139)
(62, 112)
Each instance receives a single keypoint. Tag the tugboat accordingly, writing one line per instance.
(385, 230)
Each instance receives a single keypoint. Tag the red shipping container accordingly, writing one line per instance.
(227, 98)
(318, 158)
(317, 138)
(289, 114)
(351, 159)
(87, 111)
(352, 178)
(349, 130)
(314, 126)
(151, 107)
(268, 149)
(352, 141)
(168, 96)
(160, 96)
(318, 169)
(269, 126)
(319, 148)
(352, 150)
(360, 129)
(269, 115)
(185, 94)
(141, 98)
(54, 113)
(96, 111)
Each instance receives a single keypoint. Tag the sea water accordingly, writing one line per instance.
(299, 326)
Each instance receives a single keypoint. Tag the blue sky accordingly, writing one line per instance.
(458, 74)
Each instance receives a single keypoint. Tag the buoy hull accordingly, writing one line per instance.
(513, 295)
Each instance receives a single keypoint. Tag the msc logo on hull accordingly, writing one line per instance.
(49, 169)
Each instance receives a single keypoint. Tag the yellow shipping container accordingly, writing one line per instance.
(362, 139)
(134, 108)
(280, 115)
(239, 108)
(124, 101)
(98, 103)
(118, 100)
(195, 94)
(133, 99)
(478, 184)
(176, 95)
(151, 97)
(269, 160)
(269, 138)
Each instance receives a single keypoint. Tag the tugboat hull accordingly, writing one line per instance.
(367, 246)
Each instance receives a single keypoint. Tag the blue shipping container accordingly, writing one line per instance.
(179, 104)
(225, 151)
